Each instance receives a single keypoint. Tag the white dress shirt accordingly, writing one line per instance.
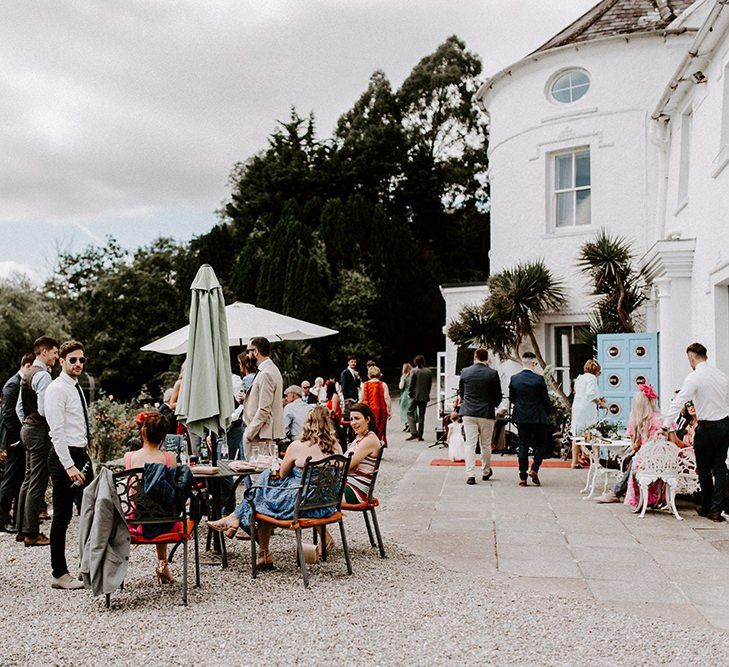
(65, 416)
(708, 388)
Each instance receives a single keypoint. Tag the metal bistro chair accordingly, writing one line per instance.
(656, 460)
(322, 485)
(369, 505)
(141, 510)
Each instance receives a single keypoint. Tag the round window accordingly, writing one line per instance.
(640, 379)
(614, 381)
(640, 351)
(614, 352)
(614, 409)
(570, 86)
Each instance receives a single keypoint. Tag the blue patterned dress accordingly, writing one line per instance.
(278, 499)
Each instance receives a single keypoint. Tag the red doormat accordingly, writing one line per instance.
(504, 463)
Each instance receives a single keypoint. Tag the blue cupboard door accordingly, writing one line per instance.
(627, 360)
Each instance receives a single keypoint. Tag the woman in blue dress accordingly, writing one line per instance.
(276, 491)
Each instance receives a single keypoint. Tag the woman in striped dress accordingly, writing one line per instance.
(365, 448)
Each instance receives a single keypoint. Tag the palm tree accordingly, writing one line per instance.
(518, 299)
(608, 262)
(522, 296)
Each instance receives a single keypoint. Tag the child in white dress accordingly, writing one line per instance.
(456, 439)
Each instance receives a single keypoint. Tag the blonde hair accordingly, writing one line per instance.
(406, 368)
(318, 429)
(373, 372)
(591, 366)
(641, 415)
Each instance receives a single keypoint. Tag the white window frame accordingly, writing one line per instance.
(558, 75)
(724, 137)
(684, 158)
(554, 191)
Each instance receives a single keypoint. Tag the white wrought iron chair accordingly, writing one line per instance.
(688, 479)
(656, 460)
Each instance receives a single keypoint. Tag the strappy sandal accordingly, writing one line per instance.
(264, 560)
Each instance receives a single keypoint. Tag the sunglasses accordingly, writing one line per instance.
(73, 360)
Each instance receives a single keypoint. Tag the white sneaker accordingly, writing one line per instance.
(608, 497)
(67, 583)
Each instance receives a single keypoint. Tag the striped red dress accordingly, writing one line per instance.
(359, 480)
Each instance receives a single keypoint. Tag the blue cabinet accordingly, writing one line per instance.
(627, 360)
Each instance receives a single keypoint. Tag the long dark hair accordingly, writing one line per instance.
(366, 411)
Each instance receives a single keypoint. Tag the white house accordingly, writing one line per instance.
(688, 259)
(597, 129)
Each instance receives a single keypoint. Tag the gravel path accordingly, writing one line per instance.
(403, 610)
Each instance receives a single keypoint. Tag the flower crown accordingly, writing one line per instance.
(141, 418)
(648, 391)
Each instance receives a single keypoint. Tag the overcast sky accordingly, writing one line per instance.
(125, 118)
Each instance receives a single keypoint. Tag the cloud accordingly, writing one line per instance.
(142, 106)
(11, 270)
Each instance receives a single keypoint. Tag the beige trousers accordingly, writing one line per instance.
(478, 429)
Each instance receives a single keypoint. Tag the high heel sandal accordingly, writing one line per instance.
(331, 546)
(264, 560)
(164, 575)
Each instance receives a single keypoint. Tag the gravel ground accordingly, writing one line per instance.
(403, 610)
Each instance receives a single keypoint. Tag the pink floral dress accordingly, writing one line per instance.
(655, 491)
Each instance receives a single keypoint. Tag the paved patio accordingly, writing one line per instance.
(547, 539)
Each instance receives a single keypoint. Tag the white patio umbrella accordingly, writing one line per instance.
(246, 321)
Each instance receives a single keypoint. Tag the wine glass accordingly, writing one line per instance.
(255, 454)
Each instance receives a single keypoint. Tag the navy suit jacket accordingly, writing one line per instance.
(529, 398)
(10, 424)
(350, 385)
(480, 390)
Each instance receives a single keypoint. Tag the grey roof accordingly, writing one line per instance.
(618, 17)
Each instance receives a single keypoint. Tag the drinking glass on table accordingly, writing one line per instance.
(255, 454)
(273, 455)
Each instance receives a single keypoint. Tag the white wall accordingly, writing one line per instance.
(456, 298)
(612, 119)
(703, 215)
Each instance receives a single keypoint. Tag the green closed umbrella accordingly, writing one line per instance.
(206, 396)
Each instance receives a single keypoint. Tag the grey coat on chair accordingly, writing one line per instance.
(104, 540)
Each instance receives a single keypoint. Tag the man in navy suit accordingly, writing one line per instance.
(350, 381)
(11, 447)
(530, 407)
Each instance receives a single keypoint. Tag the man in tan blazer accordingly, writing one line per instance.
(263, 406)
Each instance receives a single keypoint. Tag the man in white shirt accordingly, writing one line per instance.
(708, 388)
(68, 462)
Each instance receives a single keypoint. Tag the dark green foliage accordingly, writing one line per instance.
(608, 262)
(356, 232)
(26, 314)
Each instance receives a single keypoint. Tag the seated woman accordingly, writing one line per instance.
(276, 492)
(364, 450)
(683, 436)
(153, 429)
(645, 422)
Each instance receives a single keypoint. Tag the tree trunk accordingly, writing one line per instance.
(555, 387)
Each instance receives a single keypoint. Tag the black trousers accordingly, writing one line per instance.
(711, 442)
(12, 481)
(416, 417)
(64, 494)
(534, 436)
